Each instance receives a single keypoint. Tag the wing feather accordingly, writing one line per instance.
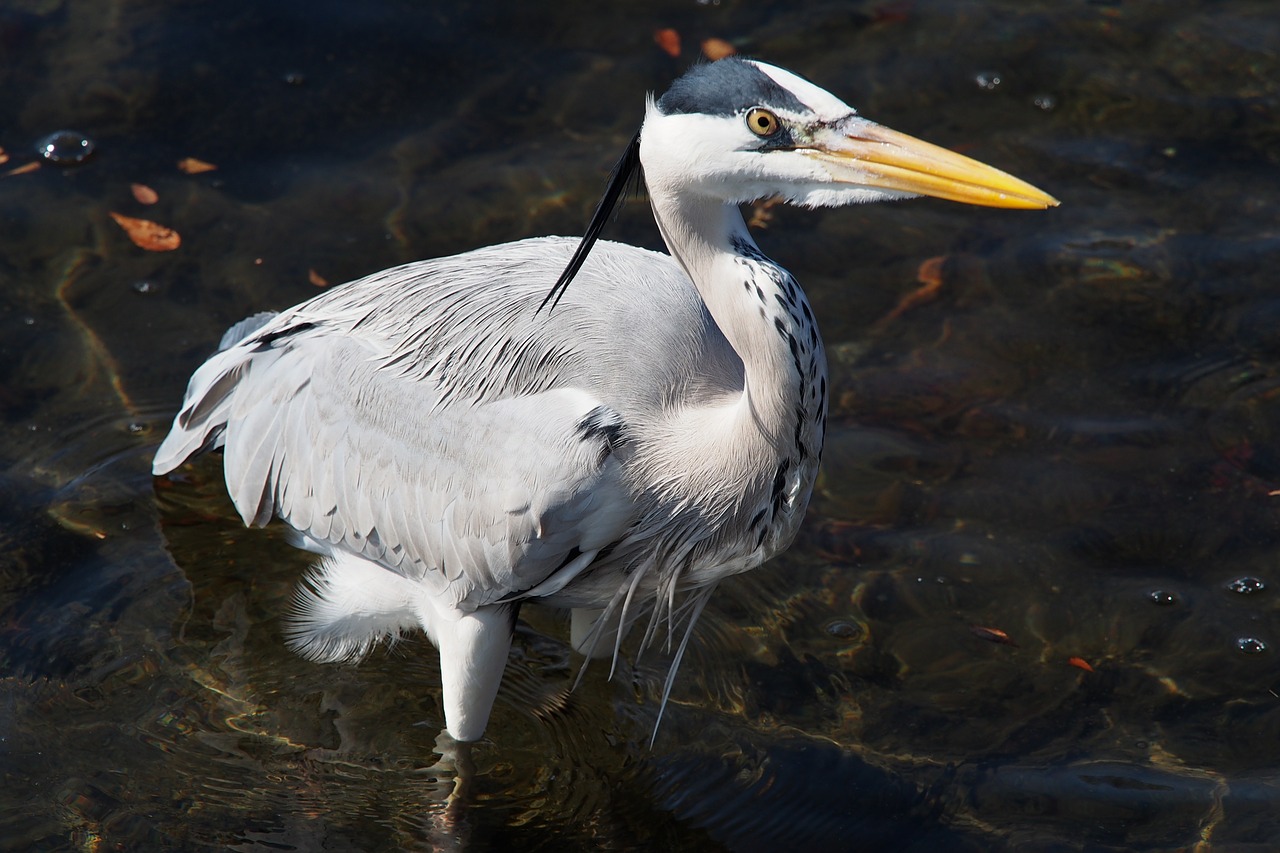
(428, 417)
(251, 450)
(324, 493)
(431, 499)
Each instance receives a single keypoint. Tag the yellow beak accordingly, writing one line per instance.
(874, 155)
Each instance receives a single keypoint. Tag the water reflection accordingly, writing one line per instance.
(1070, 442)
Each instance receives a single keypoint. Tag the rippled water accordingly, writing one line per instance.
(1034, 606)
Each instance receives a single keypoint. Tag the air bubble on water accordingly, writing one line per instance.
(988, 80)
(1162, 597)
(1046, 102)
(145, 287)
(65, 147)
(1251, 645)
(1247, 585)
(842, 629)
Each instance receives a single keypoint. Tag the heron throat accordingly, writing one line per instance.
(766, 318)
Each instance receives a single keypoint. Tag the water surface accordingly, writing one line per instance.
(1034, 606)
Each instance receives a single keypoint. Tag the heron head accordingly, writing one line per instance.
(739, 130)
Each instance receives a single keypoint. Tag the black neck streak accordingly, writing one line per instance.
(785, 311)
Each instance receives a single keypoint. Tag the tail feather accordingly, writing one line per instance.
(244, 329)
(346, 606)
(200, 424)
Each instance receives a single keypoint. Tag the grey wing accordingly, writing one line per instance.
(480, 501)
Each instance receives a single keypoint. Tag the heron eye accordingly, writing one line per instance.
(762, 122)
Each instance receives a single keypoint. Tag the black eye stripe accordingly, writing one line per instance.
(782, 140)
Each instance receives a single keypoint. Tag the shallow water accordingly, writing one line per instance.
(1034, 606)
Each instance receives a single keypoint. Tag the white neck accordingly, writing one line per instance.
(762, 313)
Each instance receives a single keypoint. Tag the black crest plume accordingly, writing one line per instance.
(626, 169)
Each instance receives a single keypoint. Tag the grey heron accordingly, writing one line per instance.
(455, 439)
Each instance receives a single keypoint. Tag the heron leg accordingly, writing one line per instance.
(473, 655)
(451, 777)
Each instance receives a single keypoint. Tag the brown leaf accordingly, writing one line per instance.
(192, 166)
(992, 635)
(930, 271)
(762, 213)
(23, 169)
(891, 13)
(4, 156)
(1080, 663)
(151, 236)
(668, 40)
(317, 279)
(714, 49)
(144, 194)
(929, 274)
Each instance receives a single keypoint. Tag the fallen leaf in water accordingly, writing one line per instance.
(316, 279)
(668, 40)
(714, 49)
(1080, 663)
(192, 166)
(762, 213)
(149, 235)
(929, 274)
(891, 13)
(4, 156)
(930, 271)
(144, 194)
(23, 169)
(993, 635)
